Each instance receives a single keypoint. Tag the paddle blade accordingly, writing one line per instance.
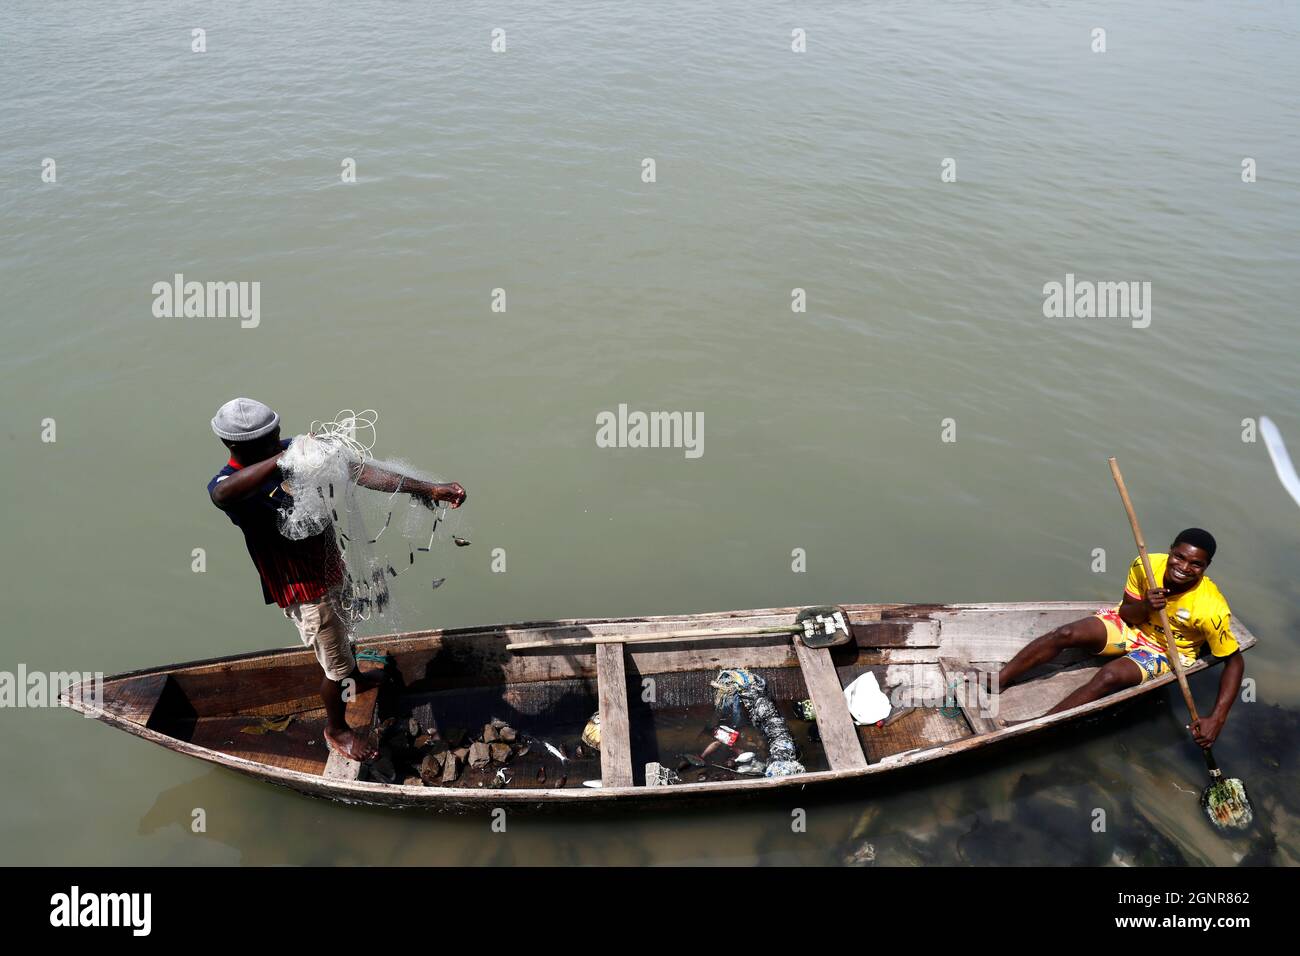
(824, 626)
(1226, 804)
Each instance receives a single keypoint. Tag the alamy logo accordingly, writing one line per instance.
(1084, 299)
(75, 908)
(626, 429)
(24, 688)
(973, 690)
(179, 299)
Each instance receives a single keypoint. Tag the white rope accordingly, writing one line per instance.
(327, 457)
(354, 431)
(322, 470)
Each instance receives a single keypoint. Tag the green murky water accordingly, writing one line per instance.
(522, 171)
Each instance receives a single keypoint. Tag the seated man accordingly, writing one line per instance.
(1131, 633)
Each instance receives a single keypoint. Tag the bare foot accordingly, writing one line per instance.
(353, 745)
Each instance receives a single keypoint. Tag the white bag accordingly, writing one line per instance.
(867, 704)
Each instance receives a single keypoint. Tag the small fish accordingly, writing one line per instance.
(541, 774)
(331, 489)
(594, 784)
(392, 570)
(335, 514)
(437, 583)
(556, 751)
(562, 781)
(460, 542)
(746, 757)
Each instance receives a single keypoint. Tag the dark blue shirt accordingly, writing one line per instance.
(291, 571)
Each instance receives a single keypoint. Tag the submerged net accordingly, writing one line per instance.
(321, 471)
(1227, 804)
(736, 687)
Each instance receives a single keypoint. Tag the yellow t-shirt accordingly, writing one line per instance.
(1198, 616)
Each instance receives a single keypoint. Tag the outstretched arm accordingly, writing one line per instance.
(382, 479)
(1207, 729)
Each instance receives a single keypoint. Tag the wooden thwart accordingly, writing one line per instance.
(967, 696)
(839, 735)
(361, 717)
(615, 730)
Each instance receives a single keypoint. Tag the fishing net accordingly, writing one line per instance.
(738, 687)
(951, 708)
(322, 470)
(658, 775)
(1226, 802)
(318, 473)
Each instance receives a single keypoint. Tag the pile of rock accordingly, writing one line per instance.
(420, 755)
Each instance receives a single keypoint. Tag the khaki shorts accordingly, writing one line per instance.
(323, 628)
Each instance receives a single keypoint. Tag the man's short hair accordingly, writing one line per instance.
(1197, 538)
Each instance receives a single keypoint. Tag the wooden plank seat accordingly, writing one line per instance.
(834, 723)
(615, 728)
(362, 714)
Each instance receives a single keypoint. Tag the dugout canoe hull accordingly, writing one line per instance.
(205, 708)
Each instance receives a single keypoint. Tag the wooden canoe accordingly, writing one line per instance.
(655, 700)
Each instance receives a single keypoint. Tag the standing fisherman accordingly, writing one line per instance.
(305, 578)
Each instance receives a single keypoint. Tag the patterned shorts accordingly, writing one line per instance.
(1148, 655)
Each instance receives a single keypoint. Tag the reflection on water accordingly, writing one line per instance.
(1146, 781)
(1030, 805)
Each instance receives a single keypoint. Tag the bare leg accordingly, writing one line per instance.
(1116, 675)
(355, 745)
(1088, 633)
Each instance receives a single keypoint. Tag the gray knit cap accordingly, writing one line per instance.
(244, 419)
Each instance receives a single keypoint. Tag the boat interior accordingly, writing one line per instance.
(656, 700)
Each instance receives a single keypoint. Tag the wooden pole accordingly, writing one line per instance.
(650, 638)
(1171, 646)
